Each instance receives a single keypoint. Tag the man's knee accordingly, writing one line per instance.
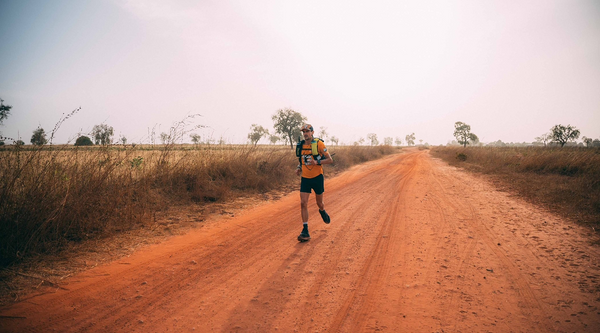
(304, 200)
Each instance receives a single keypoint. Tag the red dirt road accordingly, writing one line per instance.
(414, 246)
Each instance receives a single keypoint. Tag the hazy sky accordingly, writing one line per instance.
(510, 69)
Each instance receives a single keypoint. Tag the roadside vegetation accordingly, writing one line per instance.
(564, 179)
(51, 196)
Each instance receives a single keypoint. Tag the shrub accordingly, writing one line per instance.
(83, 141)
(566, 179)
(53, 196)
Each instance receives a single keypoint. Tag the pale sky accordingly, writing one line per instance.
(510, 69)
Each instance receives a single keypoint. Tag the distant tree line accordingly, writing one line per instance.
(286, 129)
(558, 135)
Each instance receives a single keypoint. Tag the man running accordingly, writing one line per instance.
(313, 154)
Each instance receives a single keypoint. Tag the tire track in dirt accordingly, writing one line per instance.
(411, 247)
(364, 210)
(530, 301)
(473, 223)
(375, 269)
(212, 262)
(508, 253)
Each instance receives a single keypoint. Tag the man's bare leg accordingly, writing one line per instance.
(322, 211)
(319, 198)
(304, 205)
(304, 235)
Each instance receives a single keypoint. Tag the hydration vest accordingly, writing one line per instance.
(313, 147)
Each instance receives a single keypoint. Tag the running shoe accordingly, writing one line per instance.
(325, 216)
(304, 236)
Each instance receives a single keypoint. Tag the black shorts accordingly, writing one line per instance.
(317, 183)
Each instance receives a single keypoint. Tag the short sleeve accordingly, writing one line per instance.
(321, 147)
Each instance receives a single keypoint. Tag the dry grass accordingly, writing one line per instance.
(565, 180)
(55, 196)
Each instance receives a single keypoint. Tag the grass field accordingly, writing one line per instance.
(565, 180)
(56, 195)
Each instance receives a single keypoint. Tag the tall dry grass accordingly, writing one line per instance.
(566, 180)
(54, 195)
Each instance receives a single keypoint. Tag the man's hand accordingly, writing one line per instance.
(298, 172)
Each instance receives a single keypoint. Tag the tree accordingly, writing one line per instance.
(323, 133)
(84, 141)
(287, 122)
(39, 137)
(4, 110)
(256, 133)
(462, 133)
(19, 143)
(410, 139)
(373, 138)
(563, 134)
(123, 140)
(544, 138)
(195, 138)
(596, 143)
(164, 138)
(388, 141)
(102, 134)
(360, 141)
(274, 138)
(588, 141)
(334, 139)
(397, 141)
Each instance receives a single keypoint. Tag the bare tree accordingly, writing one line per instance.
(544, 138)
(335, 140)
(373, 138)
(323, 133)
(359, 142)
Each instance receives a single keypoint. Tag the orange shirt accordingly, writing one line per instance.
(312, 171)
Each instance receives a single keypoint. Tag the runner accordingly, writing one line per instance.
(312, 154)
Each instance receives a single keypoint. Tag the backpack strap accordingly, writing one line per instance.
(299, 151)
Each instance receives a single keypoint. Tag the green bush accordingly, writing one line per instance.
(83, 141)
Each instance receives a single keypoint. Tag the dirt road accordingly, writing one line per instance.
(414, 246)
